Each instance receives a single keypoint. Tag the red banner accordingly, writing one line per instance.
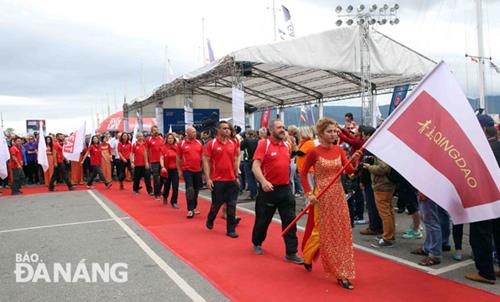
(264, 120)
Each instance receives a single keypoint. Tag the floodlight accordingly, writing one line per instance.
(386, 7)
(392, 10)
(384, 21)
(361, 8)
(396, 6)
(349, 22)
(339, 22)
(373, 8)
(361, 21)
(338, 9)
(372, 21)
(396, 21)
(349, 9)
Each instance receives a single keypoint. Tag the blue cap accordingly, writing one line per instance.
(485, 120)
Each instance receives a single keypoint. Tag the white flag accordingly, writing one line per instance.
(4, 156)
(42, 151)
(285, 28)
(434, 140)
(74, 144)
(134, 136)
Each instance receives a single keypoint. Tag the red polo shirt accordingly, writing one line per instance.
(154, 148)
(59, 150)
(169, 153)
(95, 155)
(125, 149)
(275, 158)
(221, 159)
(190, 153)
(15, 152)
(138, 149)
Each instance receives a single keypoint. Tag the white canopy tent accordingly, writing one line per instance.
(320, 67)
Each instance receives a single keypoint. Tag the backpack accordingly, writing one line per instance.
(394, 176)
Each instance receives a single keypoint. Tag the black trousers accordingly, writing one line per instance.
(60, 172)
(142, 172)
(193, 183)
(483, 234)
(96, 170)
(171, 181)
(17, 179)
(224, 192)
(121, 169)
(266, 204)
(155, 171)
(32, 172)
(115, 167)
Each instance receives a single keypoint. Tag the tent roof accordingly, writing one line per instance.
(320, 66)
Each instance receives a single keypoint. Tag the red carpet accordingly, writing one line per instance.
(230, 265)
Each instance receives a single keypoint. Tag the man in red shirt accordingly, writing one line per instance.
(59, 167)
(95, 153)
(220, 164)
(16, 164)
(154, 145)
(140, 164)
(271, 168)
(189, 157)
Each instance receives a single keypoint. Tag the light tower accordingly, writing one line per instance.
(366, 18)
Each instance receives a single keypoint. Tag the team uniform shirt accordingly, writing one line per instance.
(17, 153)
(125, 150)
(105, 147)
(190, 153)
(139, 149)
(59, 150)
(169, 153)
(154, 149)
(95, 155)
(222, 159)
(275, 158)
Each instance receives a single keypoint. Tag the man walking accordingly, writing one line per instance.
(154, 145)
(271, 168)
(220, 164)
(140, 164)
(16, 164)
(59, 166)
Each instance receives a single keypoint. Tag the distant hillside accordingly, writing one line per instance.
(292, 115)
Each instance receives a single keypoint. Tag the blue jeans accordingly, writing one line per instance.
(444, 219)
(433, 236)
(375, 221)
(252, 183)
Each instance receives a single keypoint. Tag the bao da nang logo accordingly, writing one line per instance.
(30, 268)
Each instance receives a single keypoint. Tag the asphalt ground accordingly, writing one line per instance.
(72, 227)
(68, 227)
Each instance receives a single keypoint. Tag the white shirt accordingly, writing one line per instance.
(113, 143)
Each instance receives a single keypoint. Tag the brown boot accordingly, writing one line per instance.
(368, 231)
(478, 278)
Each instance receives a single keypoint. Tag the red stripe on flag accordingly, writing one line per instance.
(429, 130)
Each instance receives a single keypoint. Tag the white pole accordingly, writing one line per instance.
(274, 20)
(482, 88)
(203, 40)
(320, 109)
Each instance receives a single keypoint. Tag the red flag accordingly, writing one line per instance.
(434, 140)
(264, 120)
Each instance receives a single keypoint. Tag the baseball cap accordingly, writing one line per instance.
(485, 120)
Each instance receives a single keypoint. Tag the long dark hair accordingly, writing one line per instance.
(124, 140)
(49, 142)
(92, 140)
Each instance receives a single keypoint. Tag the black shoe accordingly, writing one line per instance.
(257, 249)
(237, 220)
(446, 248)
(294, 258)
(231, 234)
(71, 188)
(16, 193)
(151, 193)
(51, 189)
(308, 267)
(175, 206)
(209, 224)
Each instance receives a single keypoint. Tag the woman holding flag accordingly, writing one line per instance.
(330, 213)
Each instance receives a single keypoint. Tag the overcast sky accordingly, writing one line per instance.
(65, 60)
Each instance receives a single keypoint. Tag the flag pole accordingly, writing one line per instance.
(304, 211)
